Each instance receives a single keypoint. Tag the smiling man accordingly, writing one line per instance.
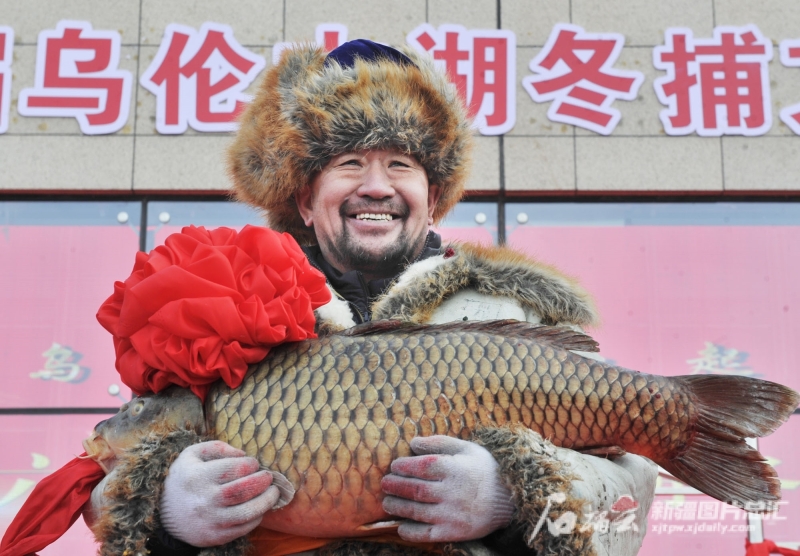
(357, 153)
(370, 211)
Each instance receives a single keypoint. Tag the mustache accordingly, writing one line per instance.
(397, 208)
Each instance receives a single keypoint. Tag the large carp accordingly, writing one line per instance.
(330, 414)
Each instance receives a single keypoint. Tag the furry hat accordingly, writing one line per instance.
(312, 107)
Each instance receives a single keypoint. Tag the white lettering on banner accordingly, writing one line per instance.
(717, 86)
(790, 57)
(327, 35)
(575, 71)
(199, 78)
(6, 44)
(77, 75)
(482, 65)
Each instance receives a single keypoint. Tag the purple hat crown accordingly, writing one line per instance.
(366, 50)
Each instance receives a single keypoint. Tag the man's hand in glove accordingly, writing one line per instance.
(214, 494)
(450, 491)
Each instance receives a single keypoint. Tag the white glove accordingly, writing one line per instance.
(451, 491)
(214, 494)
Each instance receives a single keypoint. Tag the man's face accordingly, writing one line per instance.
(370, 210)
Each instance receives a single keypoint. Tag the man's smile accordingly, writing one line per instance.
(373, 216)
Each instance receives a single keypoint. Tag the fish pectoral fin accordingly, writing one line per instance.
(285, 487)
(380, 526)
(603, 451)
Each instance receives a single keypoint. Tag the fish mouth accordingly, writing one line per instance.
(98, 449)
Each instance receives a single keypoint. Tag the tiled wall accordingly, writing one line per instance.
(536, 156)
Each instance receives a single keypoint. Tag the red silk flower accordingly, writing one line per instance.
(207, 304)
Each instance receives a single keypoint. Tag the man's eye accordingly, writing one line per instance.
(351, 162)
(399, 163)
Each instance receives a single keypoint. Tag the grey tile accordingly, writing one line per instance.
(387, 22)
(254, 22)
(67, 163)
(181, 163)
(533, 20)
(776, 19)
(643, 22)
(761, 163)
(485, 175)
(648, 164)
(33, 16)
(539, 163)
(785, 91)
(472, 14)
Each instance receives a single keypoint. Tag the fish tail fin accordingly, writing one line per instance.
(718, 461)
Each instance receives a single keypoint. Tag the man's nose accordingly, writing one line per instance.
(377, 183)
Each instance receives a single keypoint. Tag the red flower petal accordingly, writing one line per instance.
(207, 304)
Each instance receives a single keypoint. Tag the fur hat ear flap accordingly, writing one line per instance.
(311, 107)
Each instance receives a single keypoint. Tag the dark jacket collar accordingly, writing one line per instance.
(352, 286)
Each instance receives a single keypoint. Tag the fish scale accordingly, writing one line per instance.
(331, 414)
(328, 416)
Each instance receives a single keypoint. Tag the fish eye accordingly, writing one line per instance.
(137, 408)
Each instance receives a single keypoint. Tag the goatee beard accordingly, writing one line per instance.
(390, 262)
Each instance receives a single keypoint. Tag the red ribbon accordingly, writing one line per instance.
(761, 549)
(52, 508)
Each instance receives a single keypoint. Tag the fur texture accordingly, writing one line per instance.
(132, 516)
(305, 113)
(334, 316)
(530, 470)
(496, 271)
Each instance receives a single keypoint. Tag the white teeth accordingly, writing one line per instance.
(370, 216)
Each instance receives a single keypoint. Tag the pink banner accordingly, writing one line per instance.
(694, 299)
(54, 352)
(34, 447)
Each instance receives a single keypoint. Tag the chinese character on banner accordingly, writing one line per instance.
(716, 359)
(327, 35)
(482, 65)
(790, 57)
(6, 44)
(61, 364)
(77, 75)
(199, 78)
(576, 71)
(716, 86)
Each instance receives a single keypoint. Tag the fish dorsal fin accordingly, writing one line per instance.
(557, 336)
(381, 326)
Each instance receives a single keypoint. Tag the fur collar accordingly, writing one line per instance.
(497, 271)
